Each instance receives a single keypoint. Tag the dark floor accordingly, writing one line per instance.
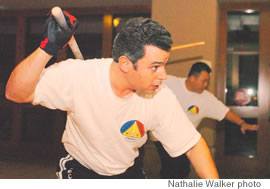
(33, 169)
(12, 168)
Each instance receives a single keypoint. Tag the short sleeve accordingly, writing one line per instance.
(173, 130)
(56, 86)
(216, 109)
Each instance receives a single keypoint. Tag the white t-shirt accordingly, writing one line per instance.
(103, 132)
(196, 106)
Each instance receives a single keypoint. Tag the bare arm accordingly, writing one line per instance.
(231, 116)
(201, 159)
(24, 78)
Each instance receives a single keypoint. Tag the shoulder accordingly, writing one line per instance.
(83, 63)
(209, 96)
(164, 96)
(172, 78)
(173, 81)
(176, 84)
(80, 66)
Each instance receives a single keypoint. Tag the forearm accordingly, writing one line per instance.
(231, 116)
(24, 78)
(239, 121)
(201, 159)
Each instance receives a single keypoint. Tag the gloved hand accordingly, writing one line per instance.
(56, 37)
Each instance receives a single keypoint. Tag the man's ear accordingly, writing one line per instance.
(124, 63)
(192, 78)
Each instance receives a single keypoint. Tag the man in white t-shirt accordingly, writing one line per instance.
(110, 103)
(197, 103)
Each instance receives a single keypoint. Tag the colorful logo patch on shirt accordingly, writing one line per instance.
(134, 129)
(193, 109)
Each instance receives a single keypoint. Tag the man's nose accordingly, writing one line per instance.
(163, 74)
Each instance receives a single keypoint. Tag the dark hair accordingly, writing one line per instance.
(197, 68)
(135, 34)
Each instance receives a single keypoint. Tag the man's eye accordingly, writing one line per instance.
(154, 68)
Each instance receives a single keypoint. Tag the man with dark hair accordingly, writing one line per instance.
(110, 103)
(197, 104)
(197, 68)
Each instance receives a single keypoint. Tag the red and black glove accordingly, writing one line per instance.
(56, 37)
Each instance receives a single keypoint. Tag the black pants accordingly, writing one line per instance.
(69, 168)
(172, 168)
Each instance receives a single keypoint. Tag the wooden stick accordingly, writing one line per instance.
(187, 45)
(60, 19)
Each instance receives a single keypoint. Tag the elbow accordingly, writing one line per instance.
(11, 96)
(8, 93)
(15, 96)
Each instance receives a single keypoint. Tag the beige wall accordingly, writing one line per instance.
(188, 21)
(191, 21)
